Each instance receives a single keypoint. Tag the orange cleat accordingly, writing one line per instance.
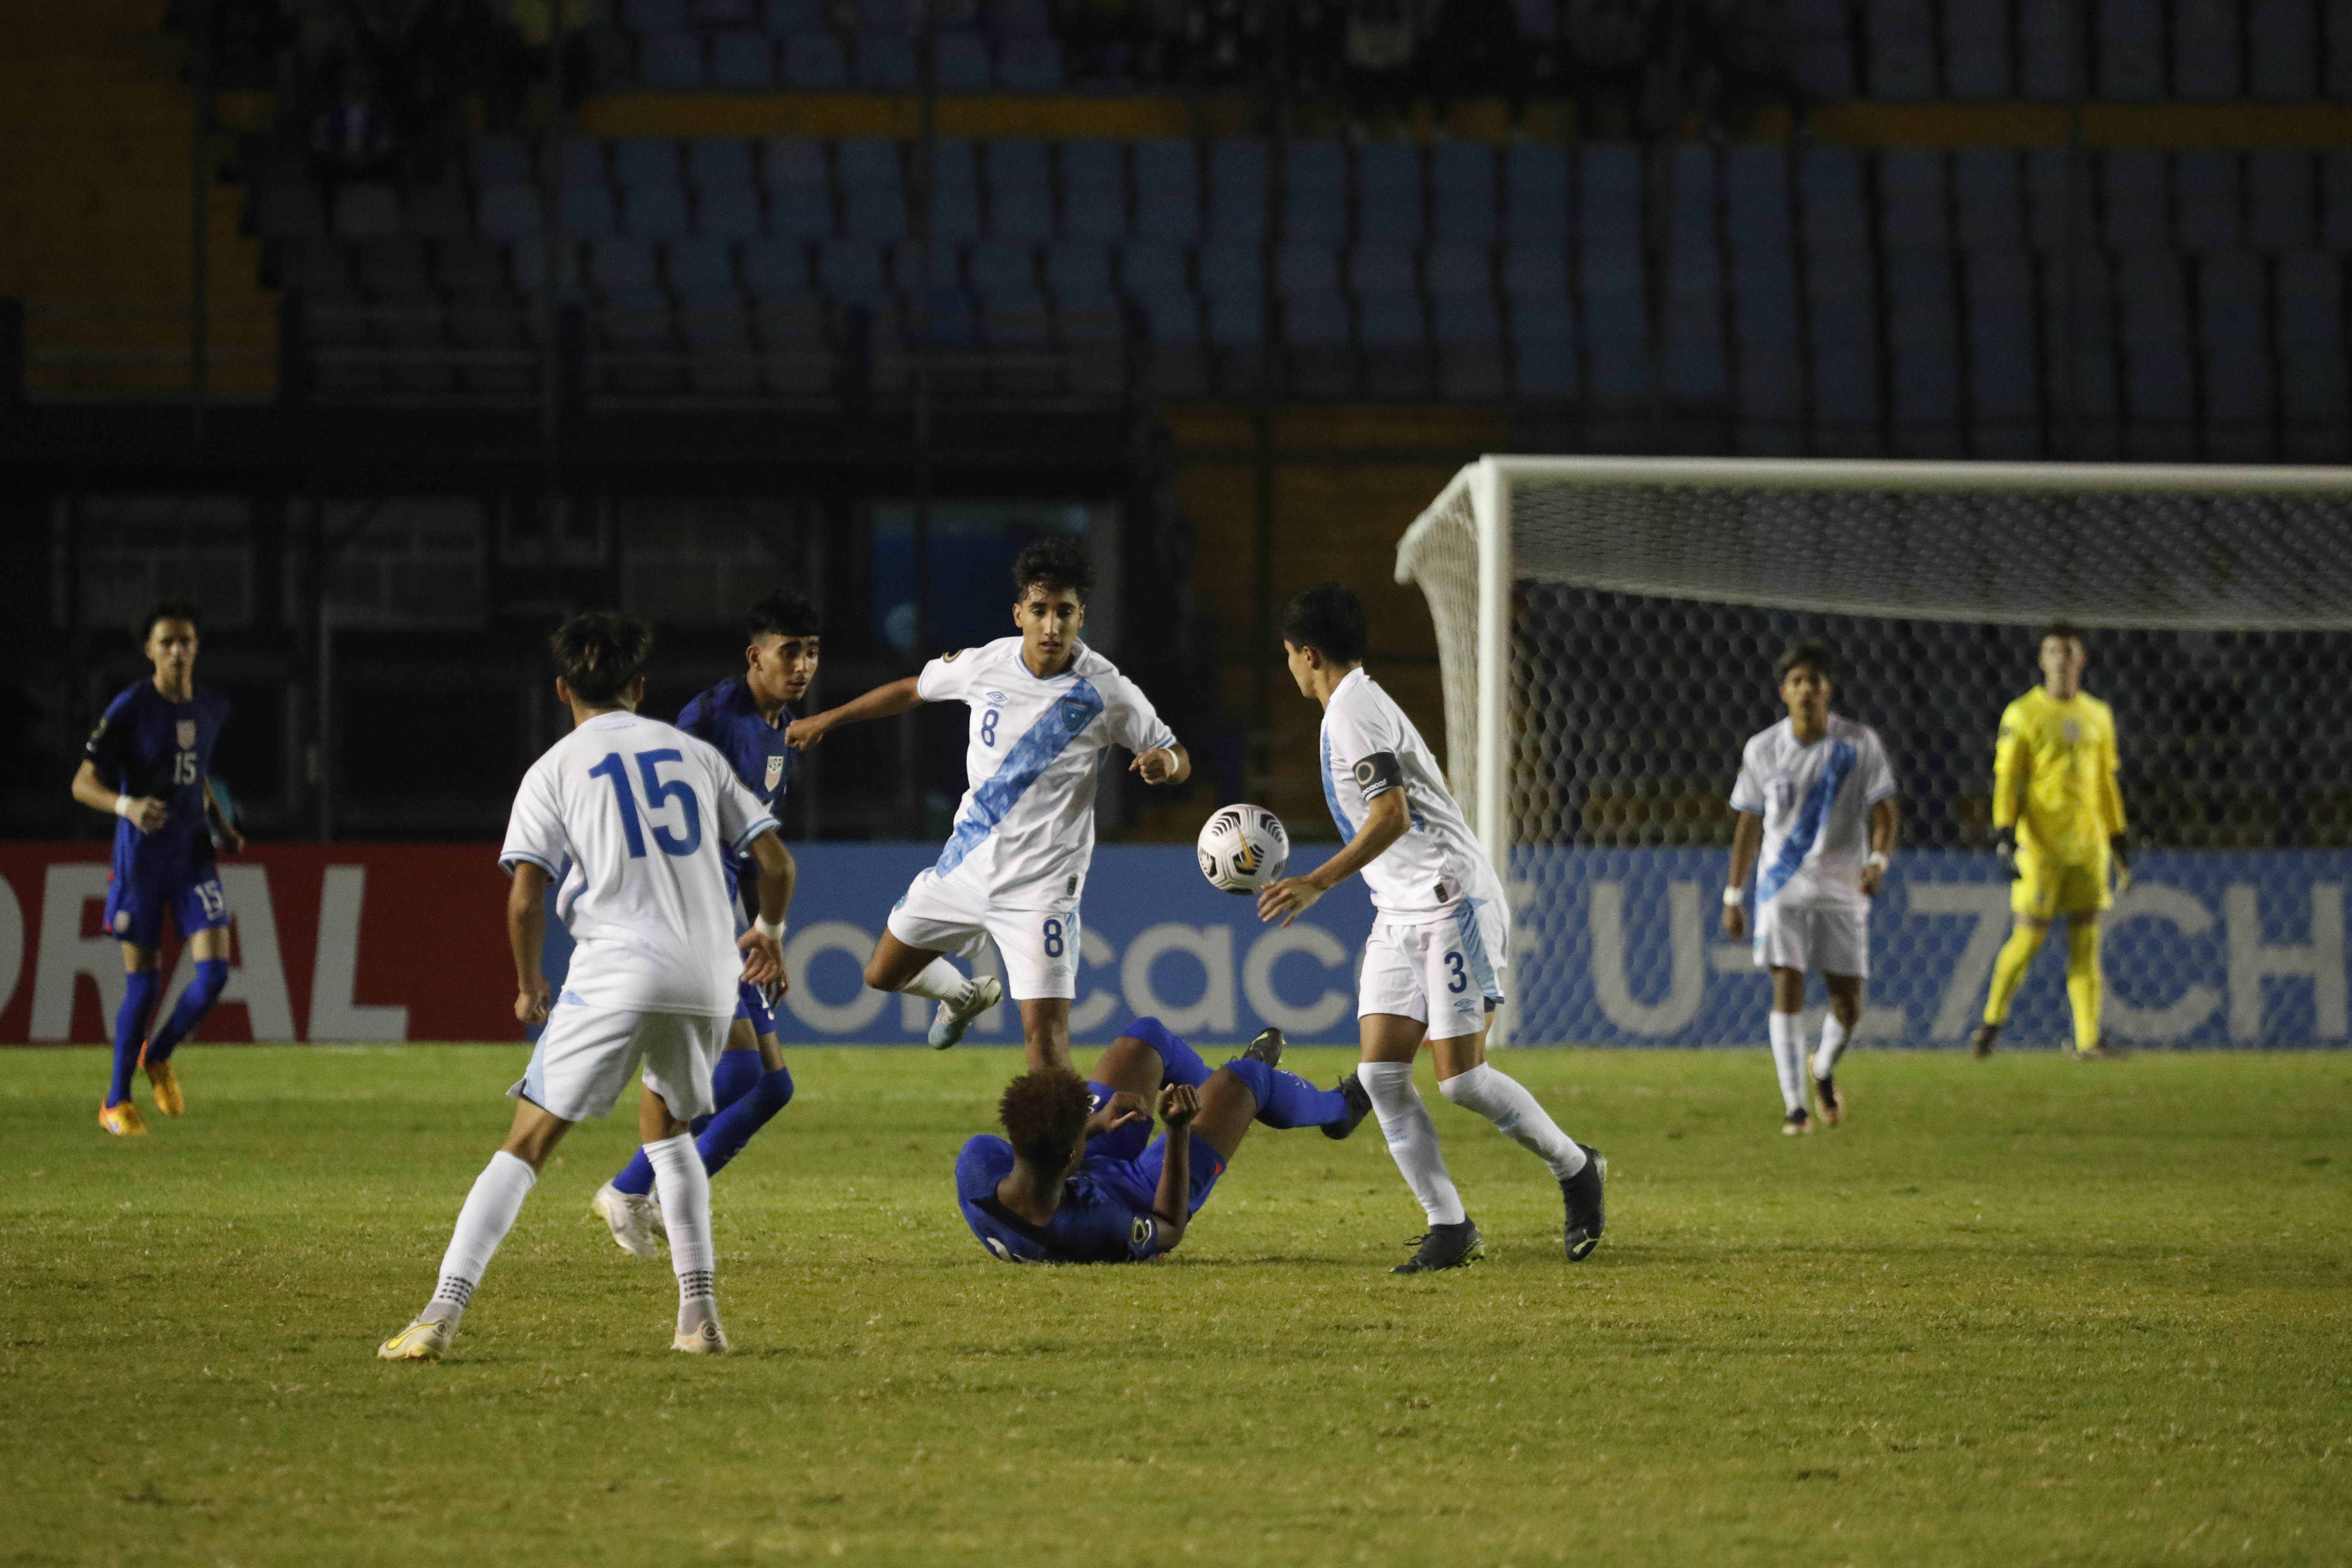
(121, 1119)
(166, 1084)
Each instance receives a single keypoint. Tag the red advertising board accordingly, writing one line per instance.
(338, 941)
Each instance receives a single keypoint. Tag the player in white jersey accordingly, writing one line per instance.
(1433, 964)
(628, 818)
(1817, 797)
(1044, 707)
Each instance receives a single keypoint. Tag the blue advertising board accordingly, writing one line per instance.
(1620, 947)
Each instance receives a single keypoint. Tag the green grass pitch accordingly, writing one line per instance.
(2016, 1312)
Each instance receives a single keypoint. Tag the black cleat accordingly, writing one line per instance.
(1360, 1105)
(1581, 1194)
(1797, 1122)
(1445, 1246)
(1981, 1042)
(1833, 1102)
(1266, 1048)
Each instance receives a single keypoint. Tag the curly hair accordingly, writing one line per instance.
(1043, 1112)
(1053, 563)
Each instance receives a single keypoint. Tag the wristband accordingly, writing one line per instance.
(122, 806)
(1878, 858)
(773, 929)
(1734, 896)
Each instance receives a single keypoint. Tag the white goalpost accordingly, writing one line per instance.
(1545, 575)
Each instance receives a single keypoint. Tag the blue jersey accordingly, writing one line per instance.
(726, 718)
(147, 745)
(1098, 1223)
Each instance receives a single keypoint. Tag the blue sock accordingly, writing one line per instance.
(735, 1075)
(732, 1128)
(1179, 1063)
(1285, 1100)
(131, 1022)
(197, 1000)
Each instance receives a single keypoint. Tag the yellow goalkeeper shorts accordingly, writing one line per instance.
(2049, 889)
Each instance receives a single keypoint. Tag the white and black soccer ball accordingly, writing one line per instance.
(1243, 848)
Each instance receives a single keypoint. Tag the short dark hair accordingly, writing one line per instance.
(1053, 563)
(168, 610)
(600, 653)
(1817, 654)
(781, 612)
(1043, 1111)
(2066, 629)
(1329, 618)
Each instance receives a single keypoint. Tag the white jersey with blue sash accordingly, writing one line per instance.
(1815, 800)
(1025, 831)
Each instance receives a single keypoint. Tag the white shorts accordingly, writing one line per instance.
(1816, 940)
(1444, 971)
(585, 1055)
(1038, 948)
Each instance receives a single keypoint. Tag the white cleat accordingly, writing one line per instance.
(634, 1220)
(707, 1338)
(948, 1024)
(420, 1340)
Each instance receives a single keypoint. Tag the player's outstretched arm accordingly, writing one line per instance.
(762, 945)
(145, 813)
(1171, 1205)
(1386, 818)
(1746, 838)
(882, 703)
(526, 935)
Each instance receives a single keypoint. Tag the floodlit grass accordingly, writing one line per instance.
(2016, 1312)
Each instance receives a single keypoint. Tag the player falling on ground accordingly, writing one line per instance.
(1044, 707)
(1816, 795)
(1433, 966)
(1072, 1180)
(744, 717)
(2058, 812)
(149, 762)
(629, 818)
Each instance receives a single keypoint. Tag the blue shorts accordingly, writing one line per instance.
(749, 1004)
(1137, 1180)
(136, 904)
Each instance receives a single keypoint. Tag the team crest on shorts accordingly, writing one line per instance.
(187, 733)
(775, 772)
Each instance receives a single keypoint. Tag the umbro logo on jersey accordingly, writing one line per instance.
(186, 729)
(775, 772)
(1073, 715)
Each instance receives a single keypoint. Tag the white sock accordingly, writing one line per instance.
(1412, 1137)
(488, 1213)
(1833, 1038)
(684, 1188)
(943, 981)
(1789, 1059)
(1505, 1101)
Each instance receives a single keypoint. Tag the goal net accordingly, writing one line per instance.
(1607, 629)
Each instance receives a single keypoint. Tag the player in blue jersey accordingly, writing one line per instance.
(149, 762)
(1072, 1180)
(743, 717)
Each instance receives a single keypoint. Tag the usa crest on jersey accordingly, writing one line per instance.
(775, 772)
(186, 729)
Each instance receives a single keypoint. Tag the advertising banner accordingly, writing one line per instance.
(1626, 947)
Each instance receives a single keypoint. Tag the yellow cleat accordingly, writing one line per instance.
(121, 1119)
(166, 1085)
(707, 1339)
(420, 1340)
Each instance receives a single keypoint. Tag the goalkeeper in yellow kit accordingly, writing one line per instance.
(2058, 819)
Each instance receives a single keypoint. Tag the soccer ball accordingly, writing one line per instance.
(1243, 848)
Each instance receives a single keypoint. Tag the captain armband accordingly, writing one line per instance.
(1379, 773)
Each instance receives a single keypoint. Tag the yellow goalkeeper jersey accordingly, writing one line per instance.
(2053, 777)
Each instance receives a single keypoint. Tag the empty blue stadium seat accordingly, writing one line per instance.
(1237, 189)
(729, 212)
(658, 211)
(2205, 64)
(885, 62)
(815, 62)
(621, 264)
(995, 267)
(671, 62)
(1610, 193)
(790, 18)
(1319, 341)
(1975, 53)
(1696, 364)
(1533, 270)
(1535, 193)
(2279, 200)
(2285, 49)
(2136, 201)
(653, 15)
(772, 268)
(1543, 349)
(509, 211)
(1147, 268)
(1315, 190)
(1300, 266)
(2045, 52)
(723, 13)
(850, 269)
(2336, 199)
(2130, 50)
(1902, 51)
(1990, 208)
(959, 63)
(1913, 200)
(1094, 192)
(499, 161)
(742, 61)
(1029, 65)
(1463, 191)
(2233, 351)
(2312, 378)
(1467, 332)
(699, 267)
(797, 161)
(2159, 397)
(2209, 199)
(1816, 46)
(1021, 212)
(1076, 272)
(1459, 268)
(579, 160)
(1177, 365)
(1389, 192)
(719, 161)
(1392, 331)
(1166, 191)
(1923, 353)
